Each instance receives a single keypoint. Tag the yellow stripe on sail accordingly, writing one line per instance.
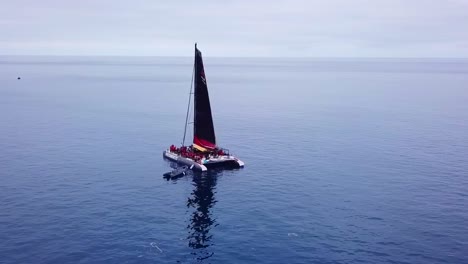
(200, 148)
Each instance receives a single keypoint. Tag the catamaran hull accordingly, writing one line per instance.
(227, 161)
(184, 161)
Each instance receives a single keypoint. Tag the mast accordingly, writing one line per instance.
(188, 107)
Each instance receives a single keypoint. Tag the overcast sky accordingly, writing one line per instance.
(251, 28)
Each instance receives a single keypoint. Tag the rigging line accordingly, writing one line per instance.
(188, 108)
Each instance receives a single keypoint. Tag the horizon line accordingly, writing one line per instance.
(229, 57)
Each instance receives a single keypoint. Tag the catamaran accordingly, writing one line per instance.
(204, 153)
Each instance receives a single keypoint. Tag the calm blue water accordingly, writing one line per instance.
(347, 161)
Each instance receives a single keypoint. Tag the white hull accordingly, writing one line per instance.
(204, 164)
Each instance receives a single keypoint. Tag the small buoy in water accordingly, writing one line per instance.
(19, 78)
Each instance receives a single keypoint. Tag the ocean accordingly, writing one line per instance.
(347, 161)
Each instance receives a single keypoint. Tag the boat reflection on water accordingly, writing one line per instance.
(200, 203)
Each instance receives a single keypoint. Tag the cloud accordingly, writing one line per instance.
(295, 28)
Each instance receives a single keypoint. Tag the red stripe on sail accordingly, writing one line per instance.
(203, 143)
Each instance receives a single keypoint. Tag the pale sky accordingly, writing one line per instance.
(249, 28)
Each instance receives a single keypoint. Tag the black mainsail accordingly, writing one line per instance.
(203, 130)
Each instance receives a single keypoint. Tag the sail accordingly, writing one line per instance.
(204, 135)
